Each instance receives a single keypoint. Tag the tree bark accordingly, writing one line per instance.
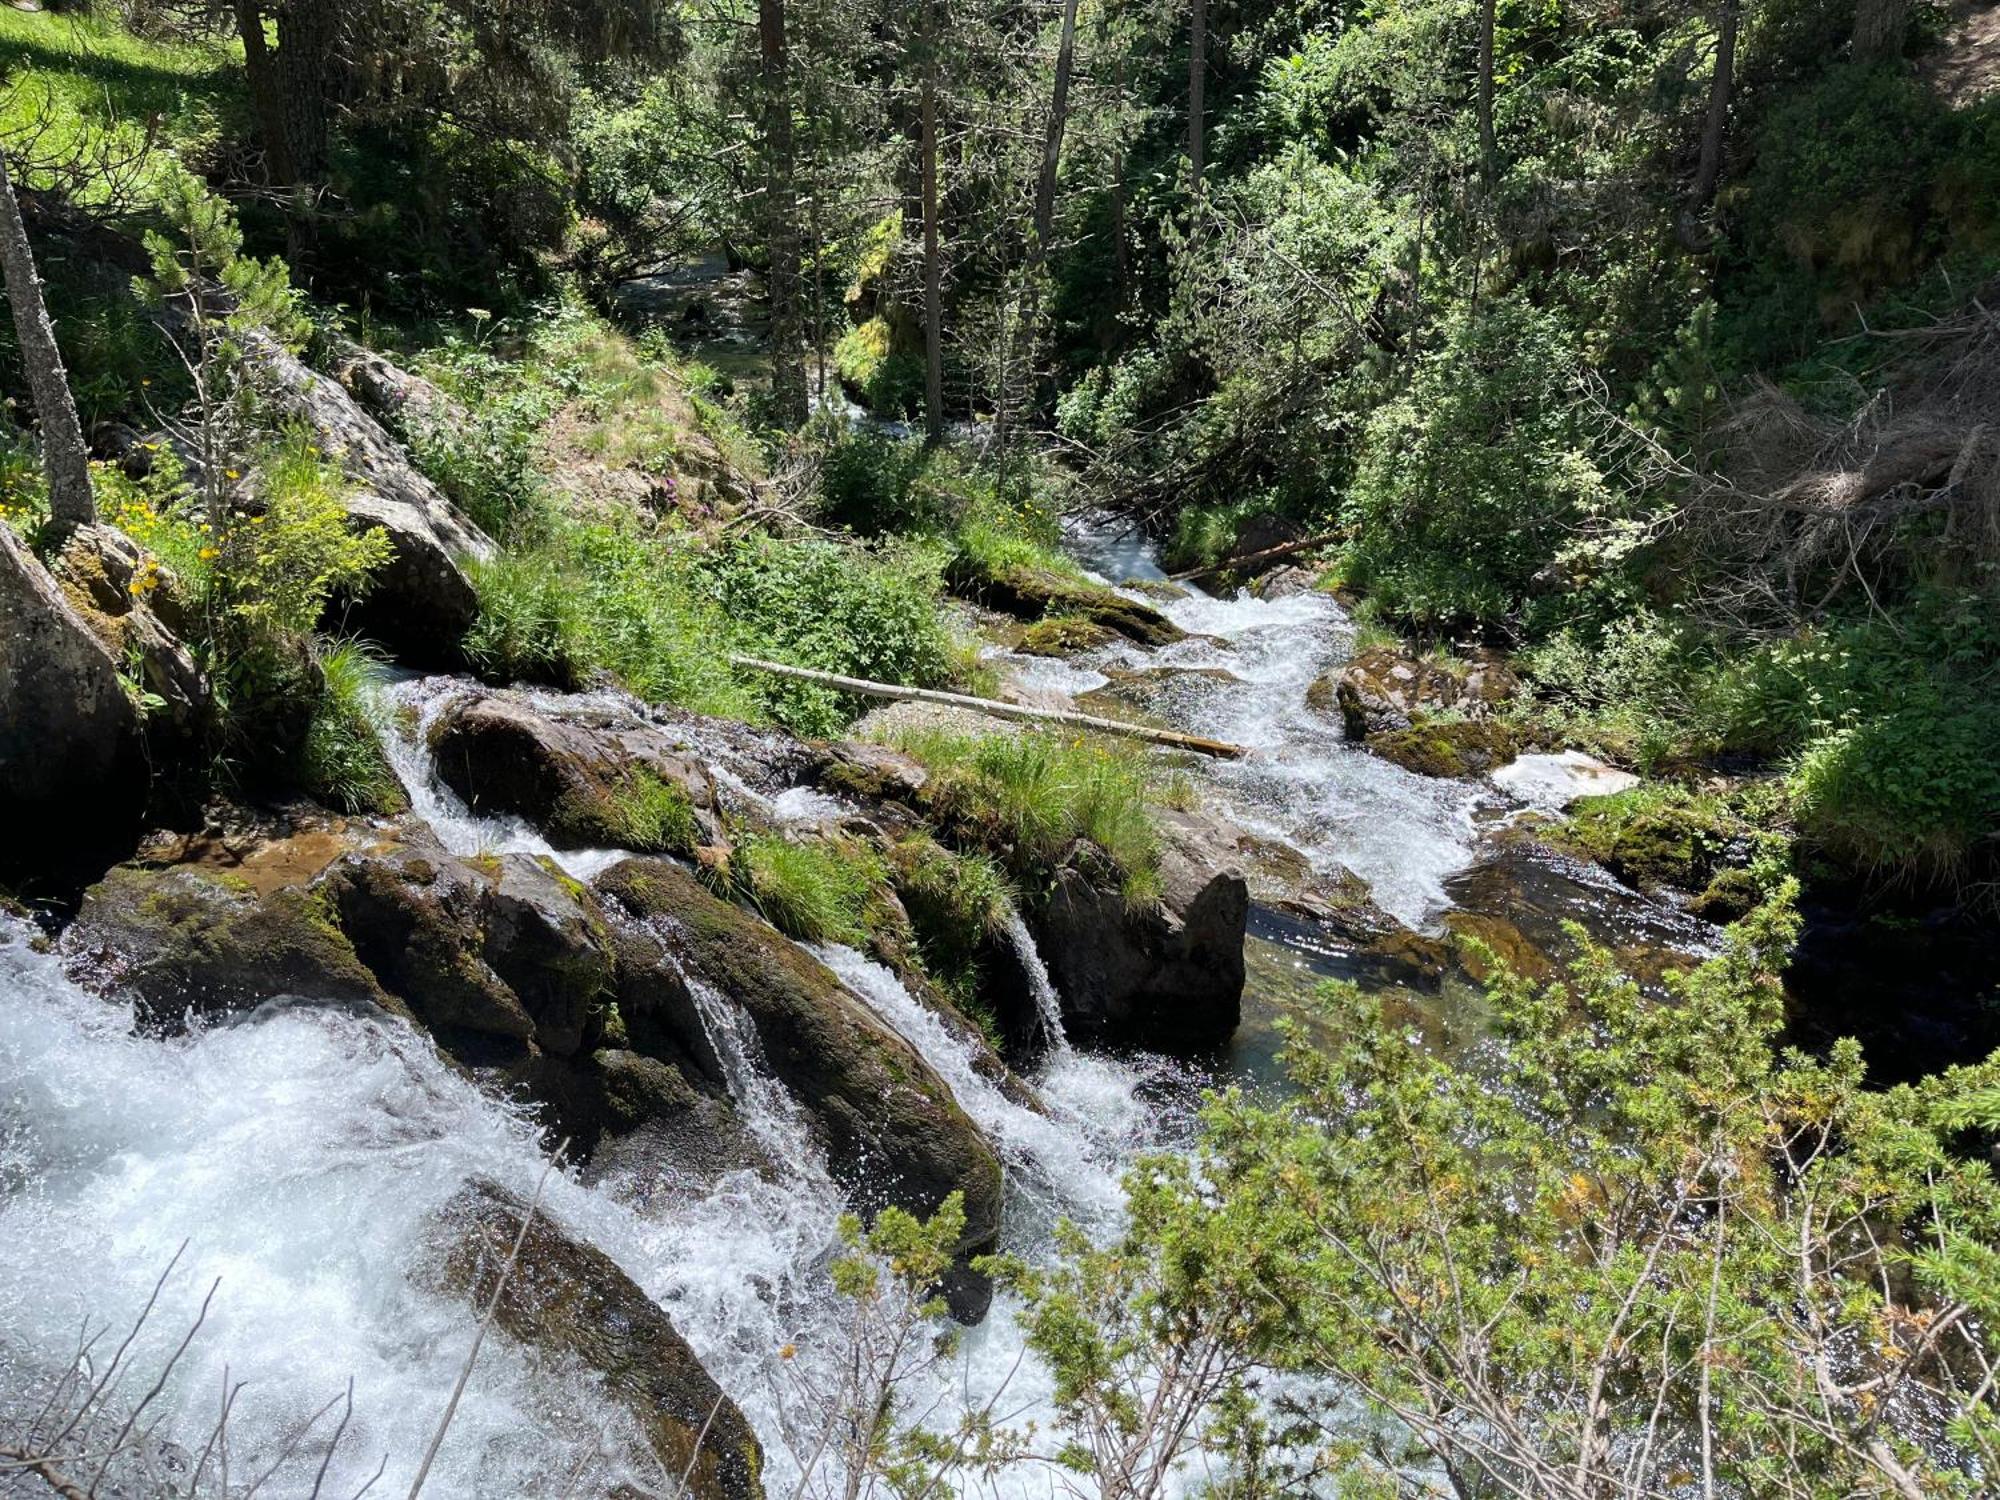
(1489, 150)
(781, 230)
(1197, 82)
(933, 269)
(64, 457)
(1879, 29)
(260, 70)
(1045, 188)
(1709, 173)
(307, 67)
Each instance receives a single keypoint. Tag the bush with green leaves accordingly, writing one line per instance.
(1624, 1248)
(1465, 485)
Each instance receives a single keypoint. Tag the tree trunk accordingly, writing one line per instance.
(267, 102)
(933, 270)
(1197, 81)
(1045, 188)
(63, 454)
(1879, 28)
(307, 70)
(781, 230)
(1709, 173)
(1121, 256)
(1489, 150)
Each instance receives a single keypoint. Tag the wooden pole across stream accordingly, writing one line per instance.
(1221, 749)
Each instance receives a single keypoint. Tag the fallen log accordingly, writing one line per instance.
(1283, 549)
(896, 693)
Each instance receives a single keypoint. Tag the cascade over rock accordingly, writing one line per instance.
(421, 602)
(1167, 975)
(893, 1133)
(72, 766)
(586, 781)
(568, 1300)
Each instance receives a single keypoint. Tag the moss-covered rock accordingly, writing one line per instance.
(1031, 593)
(1447, 747)
(72, 759)
(1381, 689)
(568, 1300)
(893, 1133)
(190, 939)
(1655, 836)
(1065, 635)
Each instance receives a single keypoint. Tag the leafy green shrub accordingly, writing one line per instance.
(816, 892)
(1032, 796)
(872, 483)
(837, 609)
(1465, 485)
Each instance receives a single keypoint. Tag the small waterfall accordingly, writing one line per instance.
(407, 711)
(764, 1104)
(1048, 1004)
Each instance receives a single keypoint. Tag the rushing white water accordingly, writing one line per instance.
(299, 1155)
(1242, 676)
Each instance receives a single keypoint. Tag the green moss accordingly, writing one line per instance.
(1657, 835)
(958, 906)
(875, 373)
(1064, 635)
(1447, 747)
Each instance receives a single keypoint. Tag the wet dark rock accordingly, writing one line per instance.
(72, 757)
(569, 1301)
(893, 1133)
(191, 939)
(1164, 974)
(422, 601)
(1519, 899)
(586, 785)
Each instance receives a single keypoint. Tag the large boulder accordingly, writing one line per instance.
(570, 1302)
(1381, 689)
(421, 601)
(892, 1131)
(137, 608)
(505, 946)
(1165, 974)
(585, 784)
(194, 939)
(72, 759)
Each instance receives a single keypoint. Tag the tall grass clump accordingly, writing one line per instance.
(1036, 795)
(341, 761)
(813, 891)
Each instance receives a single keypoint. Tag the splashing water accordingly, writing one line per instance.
(1048, 1004)
(1242, 675)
